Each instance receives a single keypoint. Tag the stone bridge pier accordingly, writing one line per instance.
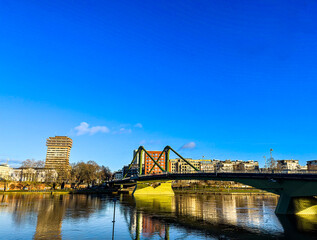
(296, 196)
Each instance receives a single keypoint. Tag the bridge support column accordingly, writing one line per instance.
(153, 188)
(284, 205)
(296, 205)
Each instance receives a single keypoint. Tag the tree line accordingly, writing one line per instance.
(81, 172)
(89, 173)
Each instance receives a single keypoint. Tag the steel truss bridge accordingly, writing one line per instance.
(297, 191)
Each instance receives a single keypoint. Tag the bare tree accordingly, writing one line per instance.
(90, 173)
(32, 163)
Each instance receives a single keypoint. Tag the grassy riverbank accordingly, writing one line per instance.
(71, 191)
(36, 191)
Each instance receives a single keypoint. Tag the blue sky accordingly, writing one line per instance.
(232, 78)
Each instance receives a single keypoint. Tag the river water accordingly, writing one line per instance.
(45, 216)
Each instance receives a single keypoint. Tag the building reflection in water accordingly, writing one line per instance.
(141, 224)
(50, 217)
(244, 215)
(214, 216)
(50, 210)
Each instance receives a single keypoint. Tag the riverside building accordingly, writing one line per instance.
(246, 165)
(148, 163)
(312, 165)
(34, 175)
(180, 166)
(288, 165)
(5, 171)
(57, 156)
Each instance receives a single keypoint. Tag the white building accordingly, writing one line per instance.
(34, 174)
(5, 171)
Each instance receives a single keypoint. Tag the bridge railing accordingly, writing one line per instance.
(260, 171)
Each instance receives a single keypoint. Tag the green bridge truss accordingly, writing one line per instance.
(297, 191)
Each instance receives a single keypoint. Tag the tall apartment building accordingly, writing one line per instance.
(148, 163)
(57, 156)
(138, 158)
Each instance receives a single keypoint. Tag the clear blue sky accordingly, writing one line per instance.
(231, 79)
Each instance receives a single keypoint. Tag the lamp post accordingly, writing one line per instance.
(114, 216)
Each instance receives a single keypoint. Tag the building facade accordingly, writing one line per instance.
(288, 165)
(5, 171)
(34, 175)
(312, 165)
(180, 166)
(225, 166)
(148, 163)
(118, 175)
(133, 171)
(58, 152)
(208, 165)
(138, 157)
(246, 165)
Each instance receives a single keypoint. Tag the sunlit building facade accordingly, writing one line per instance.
(34, 175)
(312, 165)
(288, 165)
(58, 152)
(5, 171)
(148, 163)
(246, 165)
(178, 165)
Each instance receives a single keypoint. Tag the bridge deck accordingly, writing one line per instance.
(218, 175)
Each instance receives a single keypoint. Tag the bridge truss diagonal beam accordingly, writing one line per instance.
(139, 152)
(183, 158)
(167, 160)
(156, 163)
(164, 150)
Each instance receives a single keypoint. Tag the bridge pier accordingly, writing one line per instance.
(284, 205)
(296, 205)
(153, 188)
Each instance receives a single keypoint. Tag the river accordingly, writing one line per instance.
(207, 216)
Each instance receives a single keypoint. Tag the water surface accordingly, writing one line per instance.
(45, 216)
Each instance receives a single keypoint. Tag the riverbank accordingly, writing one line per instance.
(36, 191)
(249, 191)
(71, 191)
(213, 191)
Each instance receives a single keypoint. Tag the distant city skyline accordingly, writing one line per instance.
(224, 80)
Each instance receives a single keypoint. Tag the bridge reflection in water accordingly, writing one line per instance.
(232, 215)
(163, 217)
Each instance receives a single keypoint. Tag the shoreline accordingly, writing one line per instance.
(214, 192)
(34, 191)
(223, 193)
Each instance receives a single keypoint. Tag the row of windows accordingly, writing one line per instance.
(57, 149)
(149, 159)
(157, 168)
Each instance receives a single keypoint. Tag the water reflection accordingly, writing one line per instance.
(181, 216)
(211, 214)
(50, 210)
(218, 216)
